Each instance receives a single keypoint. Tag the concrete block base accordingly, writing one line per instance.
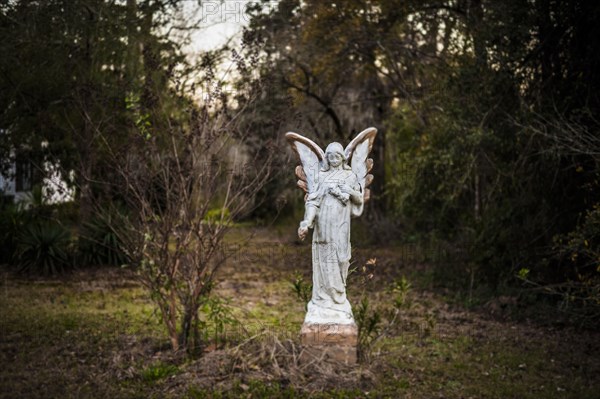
(335, 343)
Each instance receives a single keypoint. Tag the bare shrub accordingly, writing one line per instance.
(184, 186)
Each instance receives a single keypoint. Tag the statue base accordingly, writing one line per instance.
(336, 343)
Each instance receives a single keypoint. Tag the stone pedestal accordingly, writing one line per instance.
(335, 343)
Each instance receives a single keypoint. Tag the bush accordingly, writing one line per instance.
(12, 219)
(214, 215)
(158, 371)
(99, 243)
(43, 248)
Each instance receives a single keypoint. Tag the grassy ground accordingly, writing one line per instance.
(95, 333)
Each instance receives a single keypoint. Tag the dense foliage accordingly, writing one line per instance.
(489, 141)
(75, 79)
(488, 111)
(104, 91)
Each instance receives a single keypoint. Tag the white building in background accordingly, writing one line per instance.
(17, 185)
(55, 188)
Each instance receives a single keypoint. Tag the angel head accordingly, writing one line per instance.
(335, 156)
(314, 159)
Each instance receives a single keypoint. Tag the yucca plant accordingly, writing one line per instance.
(43, 248)
(99, 244)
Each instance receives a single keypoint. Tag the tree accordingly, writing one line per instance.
(185, 187)
(482, 105)
(487, 180)
(324, 59)
(67, 71)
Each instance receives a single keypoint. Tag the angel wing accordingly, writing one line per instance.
(357, 153)
(311, 156)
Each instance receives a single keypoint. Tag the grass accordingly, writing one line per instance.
(96, 334)
(158, 371)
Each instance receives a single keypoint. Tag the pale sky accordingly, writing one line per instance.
(220, 21)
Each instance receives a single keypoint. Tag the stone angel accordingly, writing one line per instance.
(335, 183)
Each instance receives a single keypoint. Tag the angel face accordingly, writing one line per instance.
(334, 159)
(335, 154)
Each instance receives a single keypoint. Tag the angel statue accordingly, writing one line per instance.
(335, 183)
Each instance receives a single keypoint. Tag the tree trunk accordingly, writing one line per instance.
(476, 30)
(86, 136)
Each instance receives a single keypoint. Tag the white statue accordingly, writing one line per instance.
(335, 182)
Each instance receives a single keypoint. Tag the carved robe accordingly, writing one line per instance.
(331, 249)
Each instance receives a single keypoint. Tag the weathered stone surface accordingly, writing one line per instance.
(335, 182)
(329, 334)
(329, 342)
(346, 355)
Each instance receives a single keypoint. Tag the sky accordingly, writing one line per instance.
(220, 21)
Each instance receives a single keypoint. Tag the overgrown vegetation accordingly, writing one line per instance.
(374, 322)
(95, 333)
(487, 161)
(183, 187)
(166, 175)
(43, 248)
(98, 242)
(489, 145)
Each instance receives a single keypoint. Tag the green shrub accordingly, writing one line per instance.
(215, 316)
(43, 248)
(368, 321)
(302, 289)
(158, 371)
(99, 244)
(577, 255)
(12, 219)
(399, 292)
(214, 215)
